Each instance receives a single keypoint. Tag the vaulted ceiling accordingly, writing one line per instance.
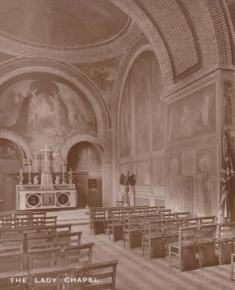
(63, 23)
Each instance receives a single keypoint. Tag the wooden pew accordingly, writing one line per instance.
(226, 241)
(184, 250)
(15, 222)
(77, 254)
(207, 220)
(99, 217)
(167, 232)
(207, 244)
(20, 217)
(12, 265)
(102, 276)
(36, 230)
(117, 219)
(15, 245)
(153, 238)
(132, 232)
(102, 272)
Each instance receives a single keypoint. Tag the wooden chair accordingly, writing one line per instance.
(132, 233)
(77, 254)
(207, 244)
(207, 220)
(42, 260)
(66, 240)
(53, 275)
(42, 243)
(116, 227)
(167, 216)
(193, 221)
(42, 265)
(172, 230)
(12, 265)
(102, 274)
(12, 245)
(185, 249)
(225, 242)
(182, 215)
(153, 239)
(98, 218)
(232, 265)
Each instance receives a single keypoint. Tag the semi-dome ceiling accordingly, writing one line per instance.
(63, 23)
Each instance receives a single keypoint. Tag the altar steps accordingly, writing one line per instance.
(72, 216)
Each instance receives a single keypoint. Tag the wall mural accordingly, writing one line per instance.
(125, 125)
(175, 182)
(103, 74)
(142, 171)
(198, 191)
(228, 104)
(143, 89)
(158, 171)
(206, 200)
(44, 105)
(157, 107)
(8, 151)
(193, 116)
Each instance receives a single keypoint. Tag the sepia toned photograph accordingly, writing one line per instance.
(117, 144)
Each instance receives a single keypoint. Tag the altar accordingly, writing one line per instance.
(33, 197)
(41, 188)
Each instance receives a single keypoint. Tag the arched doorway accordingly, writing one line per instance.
(11, 159)
(85, 160)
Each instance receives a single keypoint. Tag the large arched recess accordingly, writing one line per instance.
(16, 67)
(141, 46)
(18, 140)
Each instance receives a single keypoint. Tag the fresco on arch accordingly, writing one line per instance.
(45, 105)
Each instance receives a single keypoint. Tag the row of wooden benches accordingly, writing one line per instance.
(100, 218)
(46, 249)
(204, 245)
(135, 230)
(160, 234)
(62, 274)
(22, 219)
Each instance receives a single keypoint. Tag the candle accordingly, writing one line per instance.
(21, 176)
(36, 162)
(29, 163)
(63, 171)
(70, 176)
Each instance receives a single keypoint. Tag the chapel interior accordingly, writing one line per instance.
(117, 144)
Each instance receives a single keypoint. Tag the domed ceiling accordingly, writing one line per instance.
(63, 23)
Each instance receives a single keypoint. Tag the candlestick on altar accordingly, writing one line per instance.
(21, 177)
(29, 163)
(46, 157)
(63, 173)
(36, 162)
(70, 176)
